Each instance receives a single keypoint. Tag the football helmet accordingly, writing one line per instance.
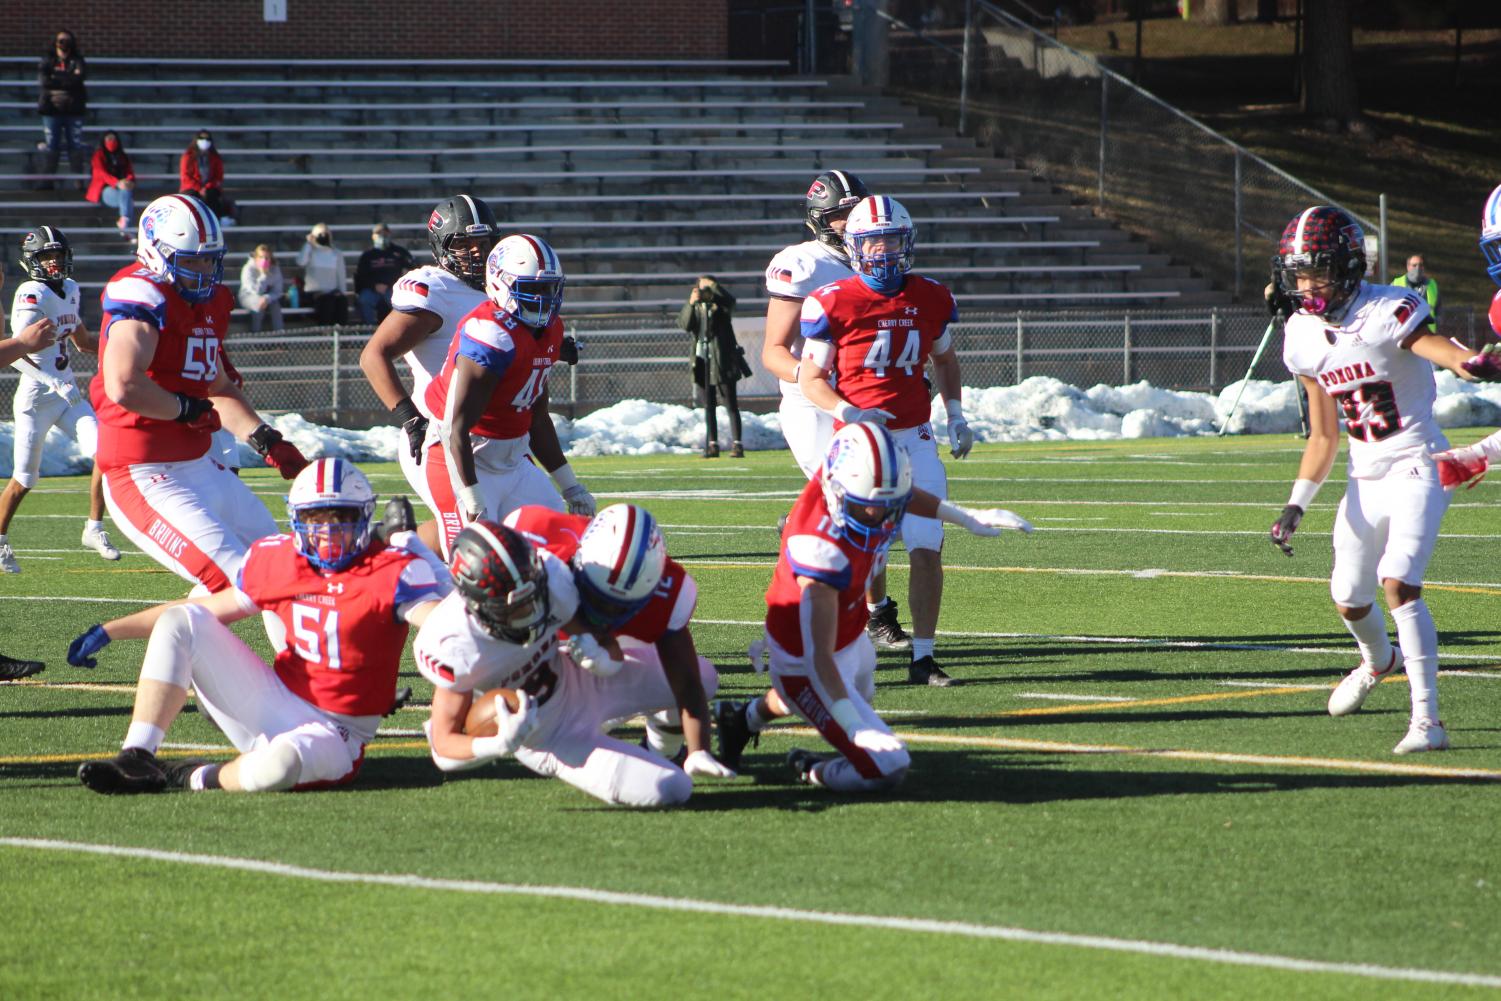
(524, 277)
(460, 232)
(47, 240)
(866, 469)
(1490, 235)
(1325, 244)
(178, 238)
(832, 192)
(618, 564)
(502, 581)
(331, 484)
(878, 238)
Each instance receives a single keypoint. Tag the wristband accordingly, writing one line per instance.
(263, 438)
(846, 412)
(847, 716)
(955, 410)
(470, 499)
(1303, 493)
(405, 411)
(564, 478)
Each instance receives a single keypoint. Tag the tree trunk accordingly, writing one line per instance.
(1218, 12)
(1330, 90)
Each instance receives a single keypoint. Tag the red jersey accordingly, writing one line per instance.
(670, 607)
(186, 361)
(810, 548)
(342, 634)
(496, 340)
(882, 342)
(1495, 313)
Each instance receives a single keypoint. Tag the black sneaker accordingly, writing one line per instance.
(179, 773)
(14, 670)
(733, 732)
(801, 762)
(399, 517)
(133, 770)
(924, 671)
(884, 629)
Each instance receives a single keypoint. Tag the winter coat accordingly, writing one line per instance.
(718, 360)
(189, 177)
(61, 83)
(108, 174)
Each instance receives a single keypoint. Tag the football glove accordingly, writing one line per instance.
(579, 500)
(1284, 527)
(280, 454)
(411, 421)
(961, 438)
(512, 728)
(81, 651)
(848, 413)
(14, 670)
(1461, 467)
(196, 413)
(590, 654)
(1279, 303)
(877, 741)
(702, 763)
(987, 523)
(1485, 366)
(568, 354)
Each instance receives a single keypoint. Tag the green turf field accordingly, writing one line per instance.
(1135, 793)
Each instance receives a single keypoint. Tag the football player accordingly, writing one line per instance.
(631, 590)
(791, 277)
(427, 304)
(489, 402)
(160, 394)
(821, 659)
(1468, 465)
(494, 644)
(871, 335)
(1362, 353)
(343, 602)
(46, 394)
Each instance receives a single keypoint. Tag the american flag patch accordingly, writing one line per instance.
(29, 298)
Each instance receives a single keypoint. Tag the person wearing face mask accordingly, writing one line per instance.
(201, 174)
(113, 181)
(325, 279)
(377, 272)
(62, 102)
(1416, 277)
(261, 286)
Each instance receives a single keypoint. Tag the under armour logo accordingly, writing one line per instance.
(335, 587)
(910, 310)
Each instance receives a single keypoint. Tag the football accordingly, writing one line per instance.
(480, 722)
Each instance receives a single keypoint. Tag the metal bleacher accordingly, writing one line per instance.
(642, 175)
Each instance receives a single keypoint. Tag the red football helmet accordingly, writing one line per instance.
(1325, 245)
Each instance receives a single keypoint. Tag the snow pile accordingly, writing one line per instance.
(1039, 409)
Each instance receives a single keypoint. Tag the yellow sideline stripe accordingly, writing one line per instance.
(1175, 700)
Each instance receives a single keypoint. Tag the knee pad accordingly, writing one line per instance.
(272, 768)
(1350, 593)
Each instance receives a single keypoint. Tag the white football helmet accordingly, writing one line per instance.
(878, 237)
(867, 482)
(179, 238)
(618, 564)
(336, 484)
(524, 277)
(1490, 235)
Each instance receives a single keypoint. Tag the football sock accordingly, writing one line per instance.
(1418, 638)
(873, 609)
(755, 715)
(922, 647)
(205, 778)
(147, 736)
(1370, 635)
(93, 526)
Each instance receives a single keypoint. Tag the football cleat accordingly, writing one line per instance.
(14, 670)
(733, 732)
(1423, 735)
(884, 629)
(8, 562)
(925, 671)
(802, 763)
(180, 773)
(98, 540)
(1350, 694)
(133, 770)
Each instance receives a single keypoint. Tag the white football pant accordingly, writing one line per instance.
(506, 475)
(37, 409)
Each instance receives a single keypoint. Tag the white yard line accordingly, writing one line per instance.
(958, 929)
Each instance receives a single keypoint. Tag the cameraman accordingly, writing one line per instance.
(718, 361)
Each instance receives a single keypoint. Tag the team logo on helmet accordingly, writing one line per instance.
(818, 188)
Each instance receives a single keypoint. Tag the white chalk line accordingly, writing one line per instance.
(589, 895)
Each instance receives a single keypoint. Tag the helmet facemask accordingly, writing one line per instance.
(1490, 246)
(881, 257)
(331, 544)
(534, 301)
(196, 275)
(47, 257)
(1311, 280)
(869, 524)
(518, 616)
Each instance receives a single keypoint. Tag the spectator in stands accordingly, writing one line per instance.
(261, 285)
(201, 174)
(377, 271)
(62, 102)
(325, 279)
(1416, 277)
(113, 182)
(718, 361)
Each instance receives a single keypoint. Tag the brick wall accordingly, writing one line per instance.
(425, 29)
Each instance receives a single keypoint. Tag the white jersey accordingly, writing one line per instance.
(1384, 392)
(794, 273)
(437, 291)
(35, 300)
(453, 652)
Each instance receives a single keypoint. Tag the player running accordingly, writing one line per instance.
(343, 601)
(1361, 352)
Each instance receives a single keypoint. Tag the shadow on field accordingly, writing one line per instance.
(73, 712)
